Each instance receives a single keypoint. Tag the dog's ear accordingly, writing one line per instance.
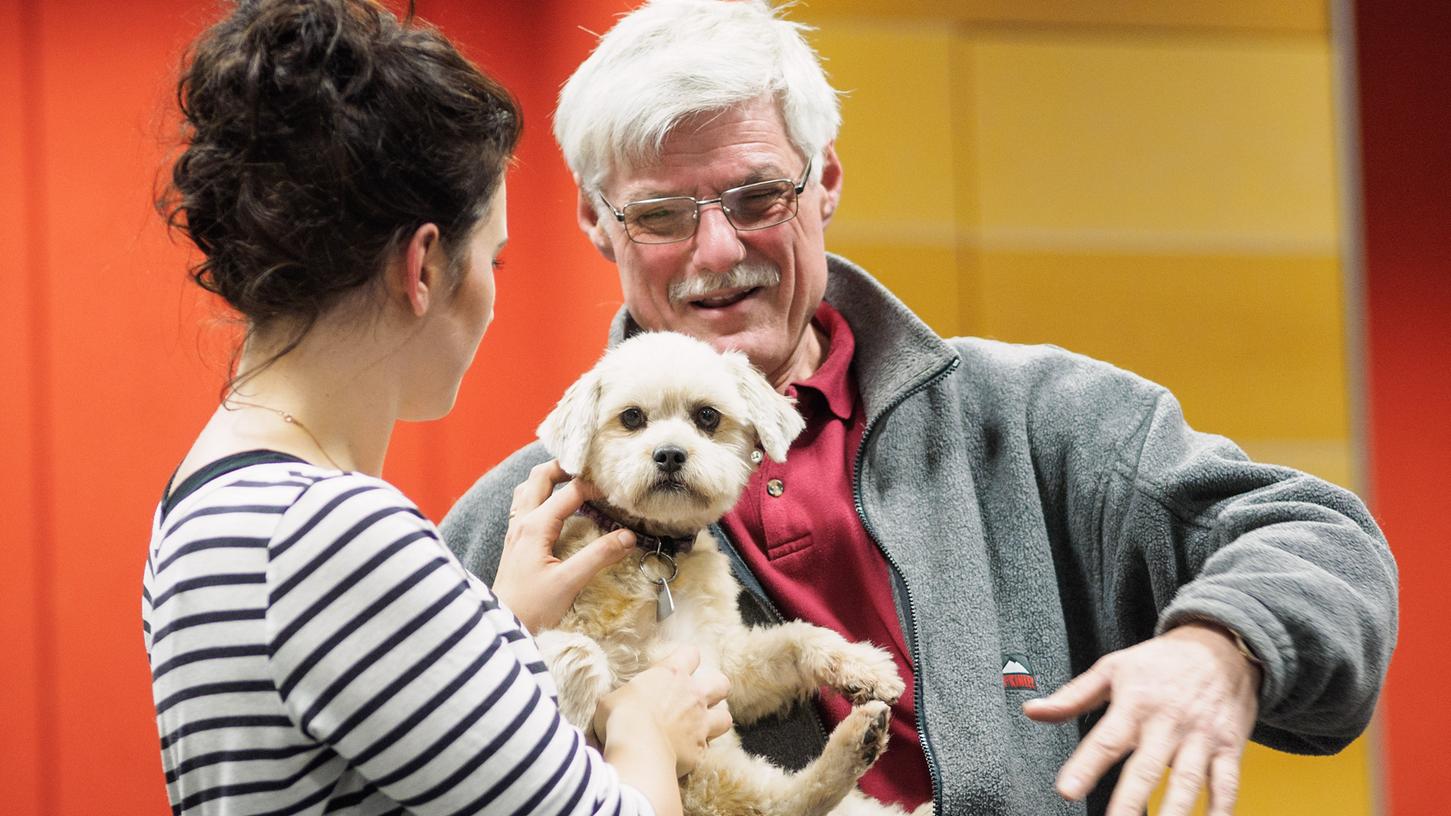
(566, 432)
(772, 415)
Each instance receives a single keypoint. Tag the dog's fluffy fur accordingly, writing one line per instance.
(611, 633)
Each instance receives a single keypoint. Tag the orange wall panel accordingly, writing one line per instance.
(23, 695)
(124, 393)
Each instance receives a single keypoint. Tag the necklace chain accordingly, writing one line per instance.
(287, 417)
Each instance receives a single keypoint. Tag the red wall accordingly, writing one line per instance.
(111, 361)
(1405, 112)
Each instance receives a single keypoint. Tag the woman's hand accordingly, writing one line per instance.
(669, 708)
(535, 585)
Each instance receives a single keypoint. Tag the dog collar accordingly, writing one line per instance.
(670, 545)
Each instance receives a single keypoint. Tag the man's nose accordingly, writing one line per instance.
(717, 246)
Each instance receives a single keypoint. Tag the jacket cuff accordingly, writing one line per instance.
(1264, 639)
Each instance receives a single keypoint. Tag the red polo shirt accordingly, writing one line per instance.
(797, 527)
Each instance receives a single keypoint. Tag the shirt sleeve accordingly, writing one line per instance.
(383, 648)
(1293, 564)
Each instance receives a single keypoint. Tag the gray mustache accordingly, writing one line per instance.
(744, 275)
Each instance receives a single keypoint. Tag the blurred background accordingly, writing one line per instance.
(1246, 201)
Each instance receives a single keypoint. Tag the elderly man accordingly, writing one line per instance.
(1031, 534)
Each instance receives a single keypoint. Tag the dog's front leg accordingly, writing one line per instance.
(774, 667)
(581, 671)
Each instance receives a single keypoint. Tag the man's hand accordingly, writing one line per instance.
(1186, 699)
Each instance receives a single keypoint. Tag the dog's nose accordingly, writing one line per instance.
(669, 458)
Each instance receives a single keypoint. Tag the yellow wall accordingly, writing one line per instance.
(1152, 184)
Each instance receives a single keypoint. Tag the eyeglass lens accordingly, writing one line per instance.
(752, 207)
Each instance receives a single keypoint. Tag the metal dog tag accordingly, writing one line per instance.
(664, 604)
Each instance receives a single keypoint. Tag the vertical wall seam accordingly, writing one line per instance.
(1350, 211)
(35, 268)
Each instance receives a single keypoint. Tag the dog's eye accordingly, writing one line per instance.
(632, 418)
(707, 418)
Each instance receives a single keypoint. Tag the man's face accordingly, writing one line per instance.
(702, 157)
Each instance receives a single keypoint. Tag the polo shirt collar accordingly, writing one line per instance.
(832, 379)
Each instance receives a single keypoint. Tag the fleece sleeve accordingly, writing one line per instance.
(1294, 564)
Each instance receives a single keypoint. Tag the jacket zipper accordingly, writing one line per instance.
(739, 563)
(911, 610)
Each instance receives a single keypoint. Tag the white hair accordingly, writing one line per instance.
(672, 59)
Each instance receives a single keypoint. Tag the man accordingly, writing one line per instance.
(1002, 519)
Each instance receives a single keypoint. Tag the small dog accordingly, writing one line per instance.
(669, 431)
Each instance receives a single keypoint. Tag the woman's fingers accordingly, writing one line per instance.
(577, 570)
(718, 720)
(713, 685)
(536, 487)
(685, 659)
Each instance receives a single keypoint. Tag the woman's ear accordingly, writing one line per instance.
(420, 270)
(591, 224)
(831, 179)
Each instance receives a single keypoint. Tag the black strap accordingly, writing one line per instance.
(212, 470)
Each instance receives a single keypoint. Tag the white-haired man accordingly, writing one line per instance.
(1002, 519)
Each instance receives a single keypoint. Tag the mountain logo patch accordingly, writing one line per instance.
(1017, 674)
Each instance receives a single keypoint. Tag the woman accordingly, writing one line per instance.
(314, 647)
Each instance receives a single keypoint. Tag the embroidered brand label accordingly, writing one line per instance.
(1017, 674)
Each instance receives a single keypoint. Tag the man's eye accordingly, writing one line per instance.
(632, 418)
(707, 418)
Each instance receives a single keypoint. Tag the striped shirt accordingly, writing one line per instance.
(316, 649)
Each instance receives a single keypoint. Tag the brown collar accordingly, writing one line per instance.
(669, 545)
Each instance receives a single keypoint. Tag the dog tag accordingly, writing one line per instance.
(664, 604)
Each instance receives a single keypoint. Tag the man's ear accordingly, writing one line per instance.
(591, 224)
(418, 275)
(830, 182)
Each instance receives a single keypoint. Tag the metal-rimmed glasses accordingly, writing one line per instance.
(675, 218)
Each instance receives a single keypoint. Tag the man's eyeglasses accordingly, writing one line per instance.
(748, 207)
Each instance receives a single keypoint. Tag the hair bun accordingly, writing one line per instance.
(319, 134)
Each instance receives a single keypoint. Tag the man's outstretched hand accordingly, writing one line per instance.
(1186, 699)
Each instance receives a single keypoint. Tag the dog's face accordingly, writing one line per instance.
(665, 427)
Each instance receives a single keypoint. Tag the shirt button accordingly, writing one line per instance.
(775, 487)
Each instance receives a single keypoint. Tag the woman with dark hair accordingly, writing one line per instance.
(314, 647)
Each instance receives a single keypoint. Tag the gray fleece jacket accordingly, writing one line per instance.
(1041, 507)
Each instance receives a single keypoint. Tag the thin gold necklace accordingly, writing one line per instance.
(290, 420)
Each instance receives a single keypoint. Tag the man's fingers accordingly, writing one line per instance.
(1223, 784)
(1191, 766)
(577, 570)
(1083, 693)
(1115, 735)
(1141, 774)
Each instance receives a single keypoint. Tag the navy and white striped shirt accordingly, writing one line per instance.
(316, 649)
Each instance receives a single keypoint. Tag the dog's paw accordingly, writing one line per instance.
(864, 672)
(875, 716)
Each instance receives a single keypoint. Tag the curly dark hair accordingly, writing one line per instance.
(319, 135)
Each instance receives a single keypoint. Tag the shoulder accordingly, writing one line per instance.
(247, 501)
(1055, 392)
(334, 503)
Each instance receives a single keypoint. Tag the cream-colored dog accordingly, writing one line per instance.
(670, 431)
